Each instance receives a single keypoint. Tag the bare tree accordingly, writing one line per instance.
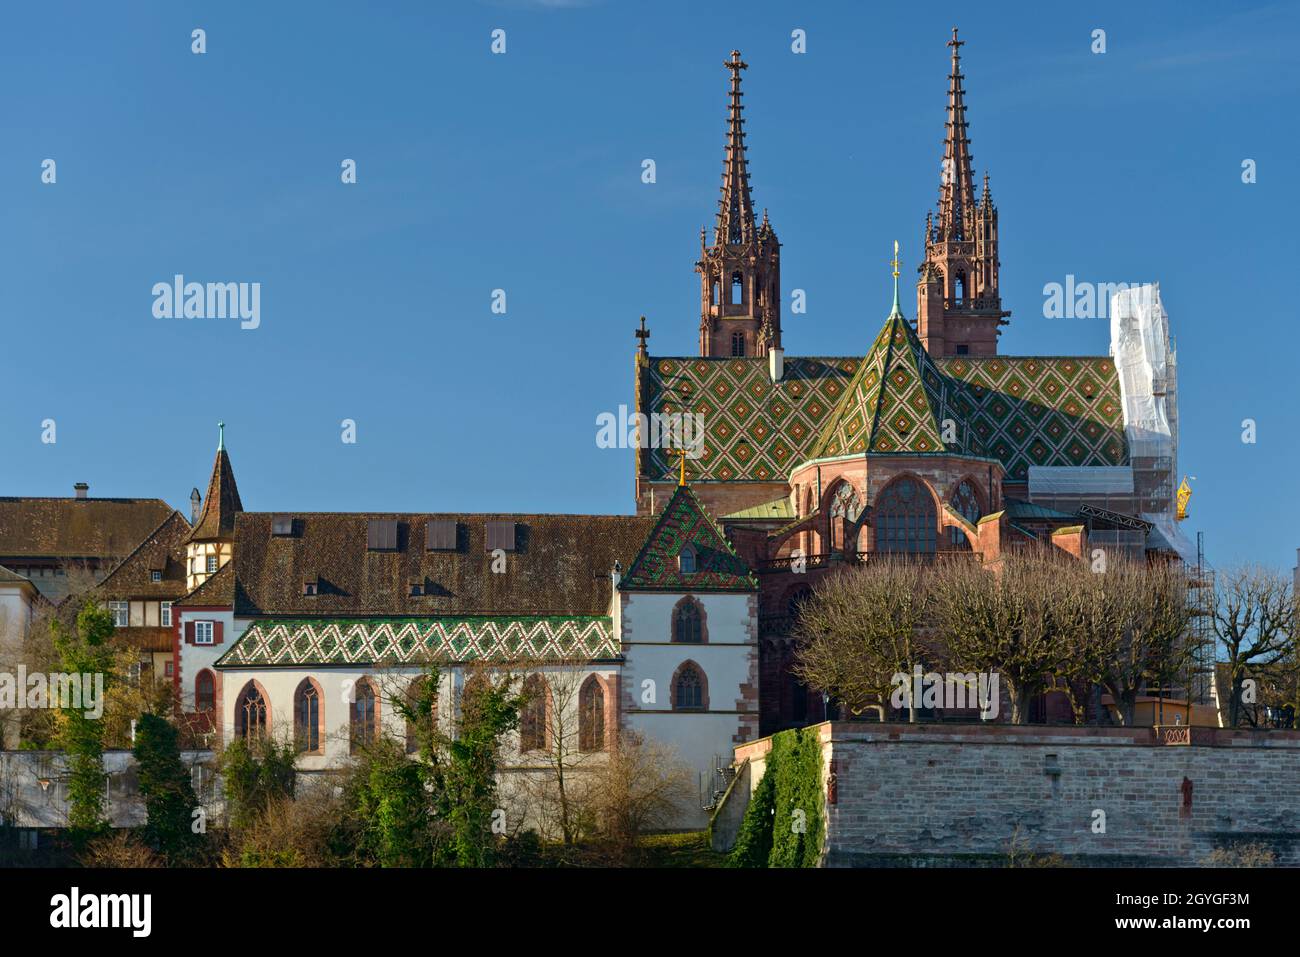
(861, 627)
(639, 789)
(1254, 614)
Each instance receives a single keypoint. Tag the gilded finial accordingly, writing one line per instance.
(895, 263)
(681, 454)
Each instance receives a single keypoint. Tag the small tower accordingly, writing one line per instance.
(211, 542)
(958, 306)
(740, 273)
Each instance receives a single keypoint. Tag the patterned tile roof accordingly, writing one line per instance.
(1021, 410)
(296, 642)
(897, 402)
(684, 521)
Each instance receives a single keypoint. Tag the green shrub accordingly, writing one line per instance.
(784, 824)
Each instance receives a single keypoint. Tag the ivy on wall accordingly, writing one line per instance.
(784, 823)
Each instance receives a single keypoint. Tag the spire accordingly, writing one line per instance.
(896, 311)
(220, 505)
(957, 183)
(736, 207)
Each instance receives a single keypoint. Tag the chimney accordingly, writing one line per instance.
(81, 489)
(195, 499)
(776, 363)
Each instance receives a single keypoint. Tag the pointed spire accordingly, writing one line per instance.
(736, 207)
(957, 184)
(221, 504)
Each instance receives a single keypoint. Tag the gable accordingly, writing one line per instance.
(685, 522)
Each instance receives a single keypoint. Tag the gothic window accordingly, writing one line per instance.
(737, 289)
(251, 718)
(966, 504)
(688, 688)
(422, 702)
(844, 504)
(959, 287)
(713, 292)
(205, 691)
(686, 560)
(591, 716)
(365, 714)
(532, 720)
(307, 716)
(688, 622)
(905, 518)
(737, 343)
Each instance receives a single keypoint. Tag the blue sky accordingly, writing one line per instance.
(522, 172)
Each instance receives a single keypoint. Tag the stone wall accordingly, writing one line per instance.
(958, 795)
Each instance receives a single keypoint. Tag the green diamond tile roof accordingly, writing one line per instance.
(684, 521)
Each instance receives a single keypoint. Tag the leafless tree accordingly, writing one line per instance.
(1254, 614)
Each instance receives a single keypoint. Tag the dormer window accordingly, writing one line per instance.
(381, 535)
(686, 560)
(155, 575)
(416, 588)
(282, 525)
(311, 584)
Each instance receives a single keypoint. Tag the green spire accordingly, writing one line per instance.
(221, 426)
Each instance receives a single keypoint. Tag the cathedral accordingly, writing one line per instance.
(674, 621)
(927, 442)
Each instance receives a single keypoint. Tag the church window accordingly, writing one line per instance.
(738, 344)
(307, 716)
(966, 504)
(591, 716)
(422, 708)
(959, 287)
(688, 688)
(251, 718)
(905, 518)
(532, 720)
(688, 622)
(713, 293)
(737, 289)
(686, 561)
(365, 714)
(205, 694)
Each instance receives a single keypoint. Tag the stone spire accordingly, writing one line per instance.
(740, 273)
(959, 308)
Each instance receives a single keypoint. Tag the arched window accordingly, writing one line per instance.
(688, 688)
(959, 286)
(205, 691)
(251, 717)
(686, 563)
(591, 716)
(307, 716)
(532, 719)
(844, 505)
(365, 714)
(738, 344)
(688, 621)
(737, 289)
(966, 503)
(422, 704)
(905, 518)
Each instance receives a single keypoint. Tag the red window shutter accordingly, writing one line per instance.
(189, 633)
(216, 632)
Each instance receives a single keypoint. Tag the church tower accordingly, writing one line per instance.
(958, 306)
(211, 541)
(740, 273)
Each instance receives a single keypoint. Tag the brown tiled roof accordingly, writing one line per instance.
(220, 505)
(163, 550)
(76, 528)
(217, 591)
(7, 576)
(561, 565)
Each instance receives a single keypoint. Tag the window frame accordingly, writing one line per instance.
(211, 629)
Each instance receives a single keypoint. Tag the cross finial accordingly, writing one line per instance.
(955, 44)
(895, 263)
(221, 436)
(681, 453)
(643, 334)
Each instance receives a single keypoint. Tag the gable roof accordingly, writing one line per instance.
(162, 550)
(560, 566)
(897, 402)
(216, 591)
(684, 521)
(76, 528)
(220, 505)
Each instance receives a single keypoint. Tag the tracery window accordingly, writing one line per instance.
(905, 518)
(965, 503)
